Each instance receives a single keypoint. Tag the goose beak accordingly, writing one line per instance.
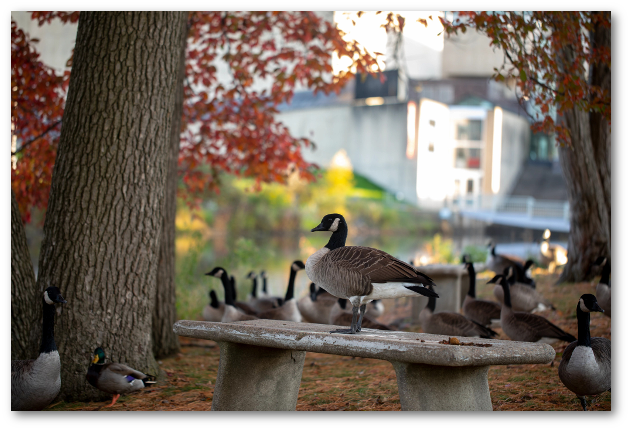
(320, 227)
(597, 308)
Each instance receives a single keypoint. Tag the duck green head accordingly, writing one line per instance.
(99, 356)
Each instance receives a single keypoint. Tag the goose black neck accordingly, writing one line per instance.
(214, 302)
(506, 292)
(48, 329)
(338, 238)
(290, 288)
(492, 252)
(584, 331)
(605, 274)
(472, 281)
(264, 287)
(228, 288)
(254, 287)
(431, 304)
(233, 284)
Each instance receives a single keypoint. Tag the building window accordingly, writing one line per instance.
(469, 186)
(468, 129)
(468, 158)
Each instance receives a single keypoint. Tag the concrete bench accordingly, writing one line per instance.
(260, 367)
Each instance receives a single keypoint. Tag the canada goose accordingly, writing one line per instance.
(214, 310)
(451, 323)
(115, 378)
(603, 287)
(585, 365)
(361, 274)
(263, 292)
(243, 306)
(498, 262)
(523, 326)
(524, 297)
(340, 315)
(524, 274)
(260, 304)
(289, 310)
(36, 383)
(484, 312)
(315, 307)
(551, 254)
(231, 313)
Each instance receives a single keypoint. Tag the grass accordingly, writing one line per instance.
(332, 382)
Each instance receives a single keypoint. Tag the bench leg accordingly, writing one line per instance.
(255, 378)
(442, 388)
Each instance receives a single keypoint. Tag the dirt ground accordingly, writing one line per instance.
(337, 383)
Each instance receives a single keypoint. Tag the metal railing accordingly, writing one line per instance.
(522, 205)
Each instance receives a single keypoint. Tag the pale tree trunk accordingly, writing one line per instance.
(104, 218)
(587, 170)
(165, 341)
(24, 297)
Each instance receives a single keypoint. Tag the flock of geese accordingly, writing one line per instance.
(362, 277)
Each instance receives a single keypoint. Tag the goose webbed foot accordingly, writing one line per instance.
(344, 331)
(354, 327)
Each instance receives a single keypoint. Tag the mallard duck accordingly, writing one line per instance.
(115, 378)
(36, 383)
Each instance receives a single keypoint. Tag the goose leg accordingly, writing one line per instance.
(353, 326)
(583, 402)
(362, 311)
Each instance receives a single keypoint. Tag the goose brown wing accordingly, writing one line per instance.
(378, 266)
(601, 349)
(543, 327)
(482, 311)
(457, 324)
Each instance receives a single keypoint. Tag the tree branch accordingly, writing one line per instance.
(45, 132)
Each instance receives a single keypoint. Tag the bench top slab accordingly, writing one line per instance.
(406, 347)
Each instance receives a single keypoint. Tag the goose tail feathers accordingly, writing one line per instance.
(422, 291)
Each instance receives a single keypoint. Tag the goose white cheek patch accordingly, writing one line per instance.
(583, 308)
(335, 225)
(47, 299)
(219, 274)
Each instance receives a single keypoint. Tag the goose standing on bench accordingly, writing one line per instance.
(359, 273)
(603, 287)
(523, 326)
(36, 383)
(585, 365)
(484, 312)
(289, 310)
(231, 312)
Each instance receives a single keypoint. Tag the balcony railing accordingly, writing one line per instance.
(521, 205)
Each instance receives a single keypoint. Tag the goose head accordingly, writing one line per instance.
(297, 265)
(263, 274)
(217, 272)
(251, 275)
(52, 295)
(330, 222)
(588, 303)
(600, 261)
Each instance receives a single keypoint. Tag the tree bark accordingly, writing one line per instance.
(165, 341)
(24, 296)
(587, 170)
(104, 215)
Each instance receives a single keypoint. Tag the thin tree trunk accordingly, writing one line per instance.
(24, 297)
(165, 341)
(586, 166)
(104, 218)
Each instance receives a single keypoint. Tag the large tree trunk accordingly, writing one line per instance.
(586, 167)
(24, 297)
(165, 341)
(104, 215)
